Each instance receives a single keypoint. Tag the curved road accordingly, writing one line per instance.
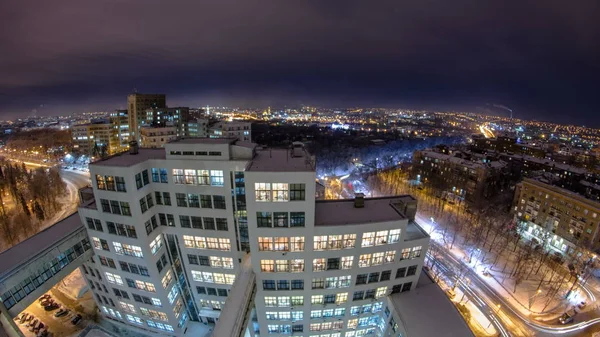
(506, 320)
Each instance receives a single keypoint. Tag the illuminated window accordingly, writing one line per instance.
(262, 191)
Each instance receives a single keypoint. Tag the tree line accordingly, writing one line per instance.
(27, 199)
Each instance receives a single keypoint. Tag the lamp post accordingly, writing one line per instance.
(532, 298)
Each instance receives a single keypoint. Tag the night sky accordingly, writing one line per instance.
(539, 57)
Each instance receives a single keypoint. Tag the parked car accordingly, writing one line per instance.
(76, 319)
(35, 323)
(62, 312)
(582, 305)
(32, 323)
(45, 297)
(567, 317)
(39, 327)
(43, 332)
(52, 306)
(29, 318)
(24, 317)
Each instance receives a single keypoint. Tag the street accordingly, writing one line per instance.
(508, 320)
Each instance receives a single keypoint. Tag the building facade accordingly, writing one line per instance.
(90, 138)
(137, 104)
(234, 129)
(154, 137)
(170, 228)
(455, 178)
(565, 221)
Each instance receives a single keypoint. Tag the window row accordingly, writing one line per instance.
(376, 259)
(207, 223)
(211, 261)
(212, 291)
(371, 293)
(198, 177)
(282, 266)
(339, 298)
(115, 207)
(146, 202)
(121, 229)
(159, 326)
(162, 198)
(334, 263)
(159, 175)
(327, 326)
(366, 308)
(373, 277)
(129, 250)
(154, 314)
(151, 224)
(284, 315)
(283, 285)
(156, 244)
(280, 219)
(211, 304)
(142, 179)
(141, 285)
(278, 192)
(200, 201)
(364, 321)
(281, 244)
(404, 272)
(283, 301)
(110, 183)
(167, 279)
(285, 329)
(328, 313)
(411, 253)
(331, 282)
(334, 242)
(94, 224)
(198, 153)
(380, 238)
(209, 277)
(202, 242)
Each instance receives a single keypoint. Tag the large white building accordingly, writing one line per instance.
(172, 227)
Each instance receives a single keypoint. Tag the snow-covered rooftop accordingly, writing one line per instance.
(281, 160)
(427, 312)
(343, 212)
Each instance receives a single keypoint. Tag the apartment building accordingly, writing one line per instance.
(90, 138)
(154, 137)
(456, 178)
(566, 221)
(170, 228)
(234, 129)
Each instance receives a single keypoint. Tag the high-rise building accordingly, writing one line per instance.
(136, 110)
(119, 122)
(172, 227)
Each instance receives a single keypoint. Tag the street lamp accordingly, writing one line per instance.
(532, 298)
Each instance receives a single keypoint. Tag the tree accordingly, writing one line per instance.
(24, 206)
(38, 211)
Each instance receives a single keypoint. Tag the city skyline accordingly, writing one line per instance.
(441, 57)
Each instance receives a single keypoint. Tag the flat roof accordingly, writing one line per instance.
(203, 140)
(18, 254)
(414, 231)
(343, 212)
(124, 159)
(280, 160)
(427, 301)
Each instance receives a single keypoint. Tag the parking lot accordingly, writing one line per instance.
(57, 326)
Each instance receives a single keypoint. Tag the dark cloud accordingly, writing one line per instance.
(539, 58)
